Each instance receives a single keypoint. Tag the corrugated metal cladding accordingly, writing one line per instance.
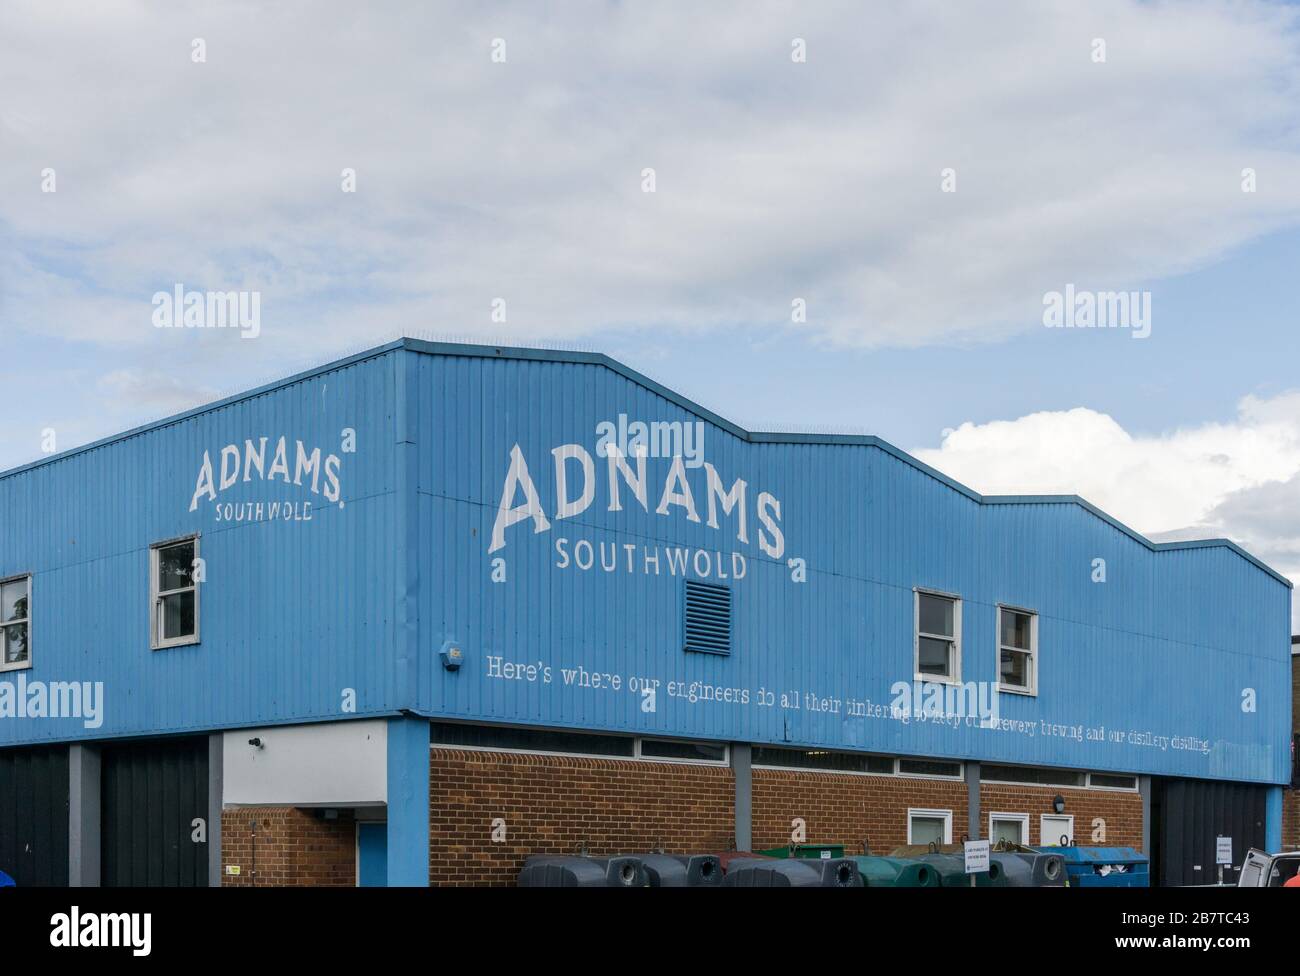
(1144, 672)
(292, 612)
(34, 815)
(152, 794)
(1188, 817)
(580, 623)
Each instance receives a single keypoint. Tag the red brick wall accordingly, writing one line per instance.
(844, 808)
(1121, 811)
(556, 803)
(290, 847)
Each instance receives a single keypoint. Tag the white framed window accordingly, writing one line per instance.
(1010, 828)
(1053, 826)
(938, 637)
(929, 826)
(15, 623)
(1017, 650)
(174, 593)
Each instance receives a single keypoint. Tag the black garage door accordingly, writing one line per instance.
(1189, 814)
(34, 815)
(153, 792)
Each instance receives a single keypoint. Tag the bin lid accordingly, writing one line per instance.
(1097, 855)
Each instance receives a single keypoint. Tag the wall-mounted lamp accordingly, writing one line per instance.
(1058, 803)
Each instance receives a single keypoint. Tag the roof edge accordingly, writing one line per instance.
(478, 351)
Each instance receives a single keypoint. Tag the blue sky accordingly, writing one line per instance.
(1219, 333)
(1103, 145)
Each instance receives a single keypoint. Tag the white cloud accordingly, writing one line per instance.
(1237, 480)
(521, 180)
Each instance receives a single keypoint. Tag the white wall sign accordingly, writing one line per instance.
(977, 856)
(1223, 850)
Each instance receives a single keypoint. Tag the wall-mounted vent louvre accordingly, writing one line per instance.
(708, 618)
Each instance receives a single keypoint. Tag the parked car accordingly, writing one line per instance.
(1262, 870)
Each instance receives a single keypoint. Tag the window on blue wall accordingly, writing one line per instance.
(489, 737)
(174, 593)
(938, 637)
(1035, 775)
(682, 751)
(841, 762)
(930, 767)
(15, 623)
(1017, 651)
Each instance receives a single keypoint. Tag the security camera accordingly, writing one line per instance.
(255, 742)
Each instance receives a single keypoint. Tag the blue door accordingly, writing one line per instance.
(372, 854)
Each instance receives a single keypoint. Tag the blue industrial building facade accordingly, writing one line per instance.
(359, 523)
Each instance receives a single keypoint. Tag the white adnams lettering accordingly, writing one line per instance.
(573, 462)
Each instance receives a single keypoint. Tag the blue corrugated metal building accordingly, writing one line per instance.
(494, 537)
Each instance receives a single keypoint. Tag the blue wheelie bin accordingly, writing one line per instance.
(1105, 867)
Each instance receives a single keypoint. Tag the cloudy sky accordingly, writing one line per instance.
(500, 153)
